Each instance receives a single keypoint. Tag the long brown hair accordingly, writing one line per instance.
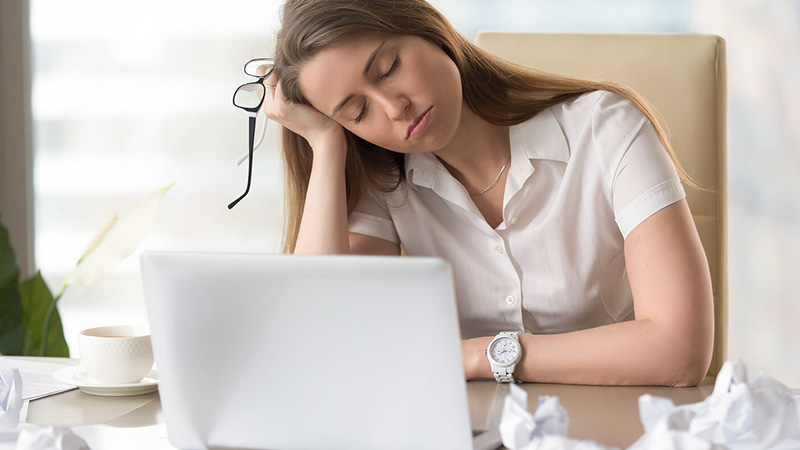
(517, 94)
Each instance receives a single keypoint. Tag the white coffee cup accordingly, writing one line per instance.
(119, 354)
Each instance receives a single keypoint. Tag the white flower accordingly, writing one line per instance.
(115, 242)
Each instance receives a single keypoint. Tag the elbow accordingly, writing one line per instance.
(690, 345)
(681, 355)
(690, 374)
(690, 364)
(677, 370)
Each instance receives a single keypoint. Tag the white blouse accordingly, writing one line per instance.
(583, 174)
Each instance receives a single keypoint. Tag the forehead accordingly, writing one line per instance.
(337, 71)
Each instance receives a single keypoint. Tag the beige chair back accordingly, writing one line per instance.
(683, 77)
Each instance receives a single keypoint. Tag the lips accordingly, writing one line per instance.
(420, 124)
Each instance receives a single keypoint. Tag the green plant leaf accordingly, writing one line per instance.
(36, 300)
(11, 333)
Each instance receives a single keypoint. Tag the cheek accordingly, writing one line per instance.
(452, 81)
(451, 97)
(443, 69)
(444, 82)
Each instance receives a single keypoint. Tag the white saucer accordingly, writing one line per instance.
(77, 376)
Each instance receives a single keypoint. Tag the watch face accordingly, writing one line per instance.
(504, 350)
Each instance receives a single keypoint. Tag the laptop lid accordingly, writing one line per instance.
(307, 352)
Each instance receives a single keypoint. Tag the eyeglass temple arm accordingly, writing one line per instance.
(256, 145)
(252, 122)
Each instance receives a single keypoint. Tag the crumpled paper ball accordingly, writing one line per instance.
(546, 429)
(49, 438)
(10, 399)
(763, 414)
(27, 436)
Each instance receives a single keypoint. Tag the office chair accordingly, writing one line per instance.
(683, 77)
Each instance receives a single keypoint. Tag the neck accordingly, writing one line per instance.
(477, 151)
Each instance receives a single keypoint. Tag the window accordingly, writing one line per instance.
(131, 96)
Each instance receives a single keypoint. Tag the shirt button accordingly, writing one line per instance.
(510, 299)
(499, 249)
(513, 220)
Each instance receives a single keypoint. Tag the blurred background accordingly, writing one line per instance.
(129, 96)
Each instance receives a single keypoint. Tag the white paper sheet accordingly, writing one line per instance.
(37, 379)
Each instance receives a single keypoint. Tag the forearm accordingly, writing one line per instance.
(639, 352)
(670, 342)
(323, 228)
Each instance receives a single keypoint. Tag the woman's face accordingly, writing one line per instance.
(402, 93)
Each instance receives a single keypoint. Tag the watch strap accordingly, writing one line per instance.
(503, 376)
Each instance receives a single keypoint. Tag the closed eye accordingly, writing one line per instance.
(391, 69)
(386, 74)
(361, 114)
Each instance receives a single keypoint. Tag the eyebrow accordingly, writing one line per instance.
(370, 60)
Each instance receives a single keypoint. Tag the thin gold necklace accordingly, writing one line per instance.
(496, 179)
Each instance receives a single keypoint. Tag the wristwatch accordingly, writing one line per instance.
(504, 353)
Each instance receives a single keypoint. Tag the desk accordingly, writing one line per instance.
(605, 414)
(608, 415)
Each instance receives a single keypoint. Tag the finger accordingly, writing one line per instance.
(277, 92)
(270, 85)
(275, 104)
(271, 82)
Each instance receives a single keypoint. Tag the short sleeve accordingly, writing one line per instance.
(640, 174)
(372, 218)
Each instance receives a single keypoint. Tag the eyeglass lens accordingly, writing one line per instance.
(249, 95)
(259, 67)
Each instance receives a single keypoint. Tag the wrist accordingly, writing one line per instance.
(476, 364)
(329, 143)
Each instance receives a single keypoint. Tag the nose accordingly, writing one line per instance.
(395, 105)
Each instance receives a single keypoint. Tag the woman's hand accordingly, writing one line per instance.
(319, 130)
(323, 227)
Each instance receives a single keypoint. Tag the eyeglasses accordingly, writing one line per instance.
(249, 97)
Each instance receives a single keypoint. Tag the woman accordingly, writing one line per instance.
(557, 201)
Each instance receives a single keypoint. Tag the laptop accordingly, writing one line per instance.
(308, 352)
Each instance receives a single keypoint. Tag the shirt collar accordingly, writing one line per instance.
(421, 169)
(541, 137)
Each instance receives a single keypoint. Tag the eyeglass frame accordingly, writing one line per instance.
(252, 112)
